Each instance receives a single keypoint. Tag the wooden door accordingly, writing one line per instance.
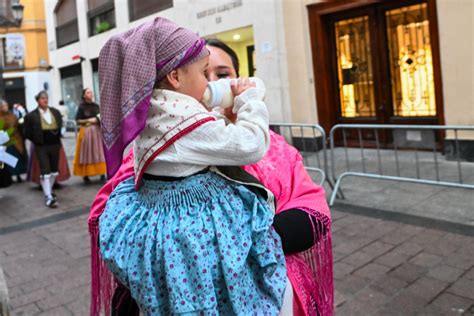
(382, 64)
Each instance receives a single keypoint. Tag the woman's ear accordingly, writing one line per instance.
(173, 79)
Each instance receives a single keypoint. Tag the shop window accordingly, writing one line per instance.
(141, 8)
(6, 9)
(101, 16)
(12, 51)
(71, 88)
(67, 31)
(95, 80)
(15, 91)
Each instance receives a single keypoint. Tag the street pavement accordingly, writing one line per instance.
(385, 262)
(454, 205)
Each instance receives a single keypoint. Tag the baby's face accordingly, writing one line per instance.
(193, 80)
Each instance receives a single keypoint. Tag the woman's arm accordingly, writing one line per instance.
(298, 230)
(303, 216)
(81, 118)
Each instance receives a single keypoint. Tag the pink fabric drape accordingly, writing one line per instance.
(102, 282)
(310, 273)
(283, 173)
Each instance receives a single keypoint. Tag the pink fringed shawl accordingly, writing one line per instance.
(310, 272)
(281, 171)
(102, 282)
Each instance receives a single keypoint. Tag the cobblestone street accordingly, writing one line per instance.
(382, 265)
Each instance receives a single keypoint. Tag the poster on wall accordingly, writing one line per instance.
(14, 50)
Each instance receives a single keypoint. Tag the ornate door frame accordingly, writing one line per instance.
(321, 20)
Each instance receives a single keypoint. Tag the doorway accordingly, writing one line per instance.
(241, 40)
(71, 88)
(381, 63)
(15, 91)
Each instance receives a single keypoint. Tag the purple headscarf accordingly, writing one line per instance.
(129, 65)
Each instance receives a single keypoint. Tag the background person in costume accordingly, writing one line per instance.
(5, 177)
(63, 109)
(19, 111)
(34, 168)
(18, 148)
(43, 128)
(33, 164)
(302, 218)
(182, 237)
(5, 158)
(89, 157)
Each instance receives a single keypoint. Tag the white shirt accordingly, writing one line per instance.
(219, 143)
(46, 115)
(64, 112)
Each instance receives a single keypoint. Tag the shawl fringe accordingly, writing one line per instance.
(103, 283)
(311, 273)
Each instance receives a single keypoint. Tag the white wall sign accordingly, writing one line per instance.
(266, 47)
(15, 50)
(224, 7)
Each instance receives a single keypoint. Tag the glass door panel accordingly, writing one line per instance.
(71, 88)
(411, 63)
(354, 68)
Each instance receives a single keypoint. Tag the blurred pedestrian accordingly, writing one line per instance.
(18, 148)
(89, 158)
(34, 168)
(43, 129)
(19, 111)
(63, 109)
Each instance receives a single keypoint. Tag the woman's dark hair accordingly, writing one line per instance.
(41, 94)
(83, 92)
(214, 42)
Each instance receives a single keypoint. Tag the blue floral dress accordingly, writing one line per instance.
(200, 246)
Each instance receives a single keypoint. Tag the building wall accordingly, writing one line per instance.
(456, 34)
(299, 60)
(33, 28)
(269, 40)
(456, 50)
(34, 83)
(266, 18)
(283, 49)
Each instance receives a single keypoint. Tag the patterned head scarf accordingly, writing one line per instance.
(129, 65)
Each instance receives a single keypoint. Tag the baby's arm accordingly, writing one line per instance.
(219, 143)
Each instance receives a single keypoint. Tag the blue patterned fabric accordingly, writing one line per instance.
(200, 246)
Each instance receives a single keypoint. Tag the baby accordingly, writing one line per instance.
(185, 236)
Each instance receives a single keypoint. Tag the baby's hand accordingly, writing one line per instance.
(239, 85)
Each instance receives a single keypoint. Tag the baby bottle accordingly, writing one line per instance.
(219, 93)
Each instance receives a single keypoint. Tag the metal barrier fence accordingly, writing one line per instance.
(310, 140)
(422, 143)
